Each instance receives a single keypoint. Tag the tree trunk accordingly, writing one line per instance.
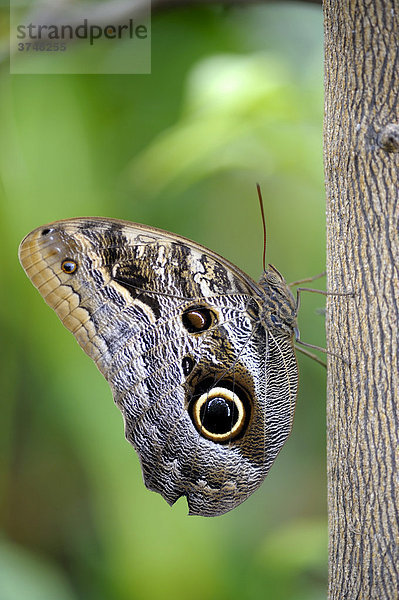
(361, 170)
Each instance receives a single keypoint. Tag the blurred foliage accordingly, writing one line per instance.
(235, 97)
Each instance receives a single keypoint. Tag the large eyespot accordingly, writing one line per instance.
(69, 266)
(220, 414)
(198, 319)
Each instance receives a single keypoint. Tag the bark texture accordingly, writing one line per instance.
(361, 170)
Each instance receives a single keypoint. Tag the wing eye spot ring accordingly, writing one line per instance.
(197, 319)
(219, 415)
(220, 410)
(69, 266)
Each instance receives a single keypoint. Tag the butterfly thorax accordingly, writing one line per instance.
(279, 308)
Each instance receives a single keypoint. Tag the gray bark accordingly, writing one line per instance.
(361, 172)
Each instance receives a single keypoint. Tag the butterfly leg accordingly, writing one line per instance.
(308, 279)
(297, 334)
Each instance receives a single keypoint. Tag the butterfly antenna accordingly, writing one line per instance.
(264, 224)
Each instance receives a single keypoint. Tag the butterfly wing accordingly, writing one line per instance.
(206, 391)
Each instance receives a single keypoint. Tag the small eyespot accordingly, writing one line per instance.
(220, 415)
(198, 319)
(47, 230)
(69, 266)
(187, 365)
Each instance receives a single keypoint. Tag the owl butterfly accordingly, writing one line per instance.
(200, 358)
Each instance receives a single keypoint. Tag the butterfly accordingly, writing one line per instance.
(200, 358)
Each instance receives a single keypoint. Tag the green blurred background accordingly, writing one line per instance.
(235, 97)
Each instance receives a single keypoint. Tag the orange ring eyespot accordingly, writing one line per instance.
(69, 266)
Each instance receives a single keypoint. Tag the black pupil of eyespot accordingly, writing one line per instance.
(197, 319)
(218, 415)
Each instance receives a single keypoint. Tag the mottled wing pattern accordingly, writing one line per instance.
(183, 338)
